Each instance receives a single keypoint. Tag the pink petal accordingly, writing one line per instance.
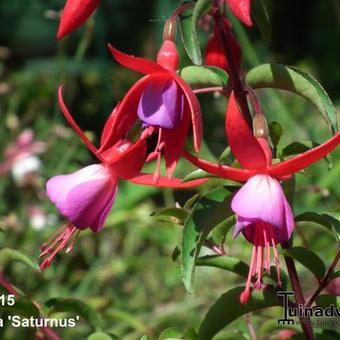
(85, 196)
(262, 198)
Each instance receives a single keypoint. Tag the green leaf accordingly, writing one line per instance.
(208, 211)
(197, 174)
(189, 36)
(170, 333)
(190, 202)
(276, 131)
(58, 305)
(326, 300)
(220, 232)
(175, 215)
(228, 263)
(204, 76)
(23, 307)
(225, 156)
(190, 334)
(261, 12)
(8, 255)
(308, 259)
(336, 274)
(228, 308)
(100, 336)
(331, 222)
(201, 8)
(292, 79)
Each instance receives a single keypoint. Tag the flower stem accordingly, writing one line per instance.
(209, 89)
(235, 79)
(299, 298)
(327, 278)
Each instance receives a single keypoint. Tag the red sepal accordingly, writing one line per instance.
(75, 13)
(243, 143)
(241, 9)
(195, 111)
(174, 141)
(224, 171)
(164, 182)
(137, 64)
(125, 114)
(128, 163)
(75, 126)
(290, 166)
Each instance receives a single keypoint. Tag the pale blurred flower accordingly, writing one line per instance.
(20, 158)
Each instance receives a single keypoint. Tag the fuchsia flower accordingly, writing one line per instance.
(163, 102)
(241, 9)
(86, 196)
(263, 212)
(75, 13)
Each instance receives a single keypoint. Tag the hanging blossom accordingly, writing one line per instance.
(74, 14)
(86, 196)
(163, 102)
(264, 216)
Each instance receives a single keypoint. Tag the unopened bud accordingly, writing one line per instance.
(260, 126)
(168, 55)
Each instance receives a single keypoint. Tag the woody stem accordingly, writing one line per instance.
(235, 79)
(299, 298)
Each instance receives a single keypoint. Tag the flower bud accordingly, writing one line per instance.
(168, 55)
(260, 126)
(215, 56)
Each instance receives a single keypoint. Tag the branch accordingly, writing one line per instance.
(299, 298)
(326, 280)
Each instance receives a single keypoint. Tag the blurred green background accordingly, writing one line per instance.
(126, 272)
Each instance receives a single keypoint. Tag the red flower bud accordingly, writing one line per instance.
(215, 56)
(168, 55)
(75, 13)
(241, 9)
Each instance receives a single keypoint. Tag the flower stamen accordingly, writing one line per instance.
(63, 237)
(264, 239)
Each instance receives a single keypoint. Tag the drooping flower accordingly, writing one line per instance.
(214, 53)
(164, 103)
(74, 14)
(86, 196)
(263, 213)
(241, 9)
(265, 219)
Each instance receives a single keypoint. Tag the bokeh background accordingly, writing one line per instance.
(126, 273)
